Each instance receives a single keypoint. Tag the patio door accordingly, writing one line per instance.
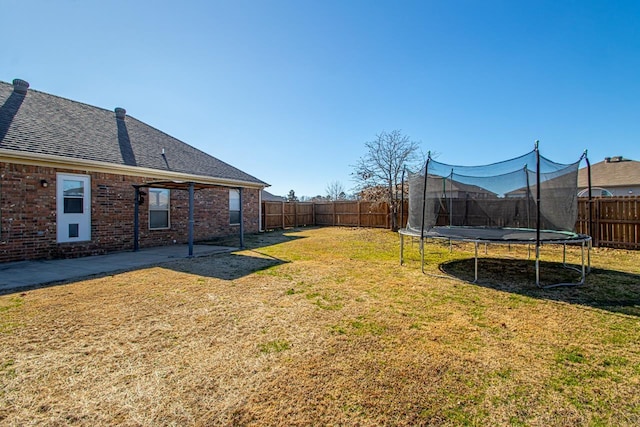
(73, 203)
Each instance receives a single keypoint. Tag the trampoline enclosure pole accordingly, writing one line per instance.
(424, 196)
(424, 207)
(537, 214)
(526, 175)
(402, 199)
(590, 200)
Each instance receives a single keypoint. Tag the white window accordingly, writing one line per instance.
(234, 206)
(158, 208)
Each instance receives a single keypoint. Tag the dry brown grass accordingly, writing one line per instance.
(323, 327)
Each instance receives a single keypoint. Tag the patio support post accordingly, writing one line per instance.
(191, 191)
(241, 219)
(136, 221)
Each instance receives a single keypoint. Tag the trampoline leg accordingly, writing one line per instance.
(564, 255)
(401, 249)
(422, 254)
(583, 269)
(538, 266)
(476, 266)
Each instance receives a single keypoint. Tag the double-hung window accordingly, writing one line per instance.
(158, 208)
(234, 206)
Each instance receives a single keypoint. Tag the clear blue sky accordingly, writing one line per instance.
(289, 91)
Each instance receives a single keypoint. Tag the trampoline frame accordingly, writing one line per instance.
(574, 238)
(579, 239)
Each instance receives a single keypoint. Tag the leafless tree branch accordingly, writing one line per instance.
(382, 165)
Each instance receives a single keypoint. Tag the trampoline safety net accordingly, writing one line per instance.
(499, 195)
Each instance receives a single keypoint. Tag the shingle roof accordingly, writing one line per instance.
(47, 124)
(268, 197)
(613, 173)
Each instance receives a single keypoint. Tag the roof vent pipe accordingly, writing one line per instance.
(20, 86)
(120, 113)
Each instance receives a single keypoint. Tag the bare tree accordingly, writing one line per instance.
(379, 171)
(291, 197)
(335, 191)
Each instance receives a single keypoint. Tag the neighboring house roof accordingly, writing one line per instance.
(612, 172)
(39, 123)
(452, 185)
(470, 189)
(268, 197)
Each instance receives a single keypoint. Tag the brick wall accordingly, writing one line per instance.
(28, 214)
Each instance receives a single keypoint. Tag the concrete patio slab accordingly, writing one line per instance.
(25, 274)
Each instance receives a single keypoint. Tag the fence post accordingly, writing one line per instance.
(359, 213)
(282, 210)
(295, 214)
(597, 225)
(389, 213)
(333, 205)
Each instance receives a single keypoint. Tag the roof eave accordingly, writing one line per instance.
(37, 159)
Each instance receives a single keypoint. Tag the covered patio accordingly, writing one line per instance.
(191, 187)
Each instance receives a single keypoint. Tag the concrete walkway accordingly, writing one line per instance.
(25, 274)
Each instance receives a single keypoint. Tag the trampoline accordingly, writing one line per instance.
(529, 200)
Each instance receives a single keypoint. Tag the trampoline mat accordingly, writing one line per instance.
(497, 235)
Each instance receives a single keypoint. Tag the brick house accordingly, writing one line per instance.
(72, 177)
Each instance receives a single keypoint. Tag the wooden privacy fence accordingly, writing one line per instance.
(343, 213)
(615, 221)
